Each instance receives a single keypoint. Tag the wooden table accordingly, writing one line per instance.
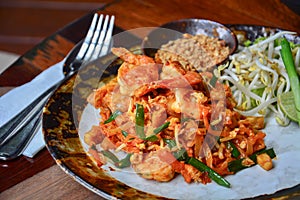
(40, 178)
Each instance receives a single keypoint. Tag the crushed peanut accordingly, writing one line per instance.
(248, 162)
(199, 52)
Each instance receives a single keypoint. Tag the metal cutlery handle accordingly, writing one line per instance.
(10, 128)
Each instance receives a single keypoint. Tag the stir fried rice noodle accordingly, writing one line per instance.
(150, 104)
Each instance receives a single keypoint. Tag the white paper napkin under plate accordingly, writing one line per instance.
(20, 97)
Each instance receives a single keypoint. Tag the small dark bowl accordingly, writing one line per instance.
(175, 29)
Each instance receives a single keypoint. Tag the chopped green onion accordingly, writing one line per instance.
(182, 155)
(125, 162)
(211, 173)
(247, 43)
(139, 121)
(151, 138)
(110, 155)
(292, 44)
(213, 80)
(93, 147)
(113, 116)
(170, 143)
(259, 39)
(139, 125)
(236, 165)
(288, 61)
(161, 128)
(235, 152)
(124, 133)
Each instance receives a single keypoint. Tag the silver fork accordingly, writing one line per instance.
(95, 44)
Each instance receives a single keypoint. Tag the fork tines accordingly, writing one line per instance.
(98, 39)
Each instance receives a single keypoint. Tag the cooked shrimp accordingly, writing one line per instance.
(171, 70)
(185, 81)
(158, 114)
(93, 136)
(131, 58)
(119, 101)
(135, 71)
(152, 167)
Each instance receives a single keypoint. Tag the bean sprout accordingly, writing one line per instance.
(256, 75)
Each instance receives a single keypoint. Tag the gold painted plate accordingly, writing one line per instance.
(62, 116)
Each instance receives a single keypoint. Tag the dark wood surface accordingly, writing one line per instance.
(43, 32)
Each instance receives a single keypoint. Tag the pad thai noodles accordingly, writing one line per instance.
(172, 121)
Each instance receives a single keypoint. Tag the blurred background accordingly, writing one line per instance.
(25, 23)
(294, 5)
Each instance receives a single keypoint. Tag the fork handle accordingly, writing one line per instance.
(10, 128)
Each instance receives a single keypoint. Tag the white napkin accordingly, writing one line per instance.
(7, 58)
(17, 99)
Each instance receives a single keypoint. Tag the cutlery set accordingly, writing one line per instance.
(18, 131)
